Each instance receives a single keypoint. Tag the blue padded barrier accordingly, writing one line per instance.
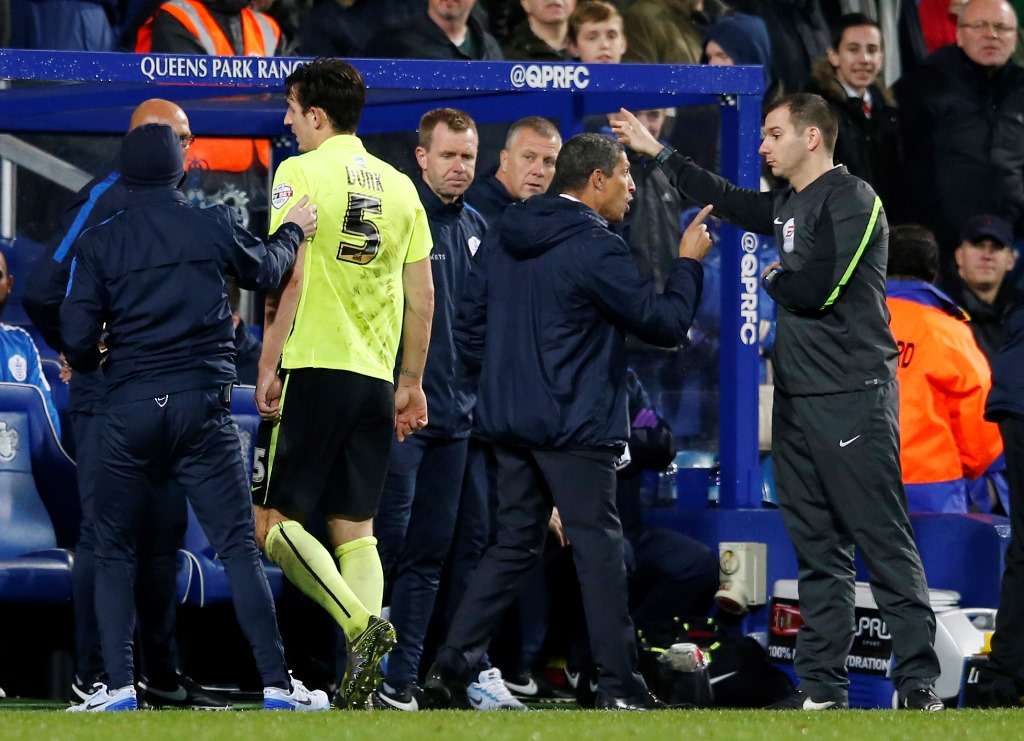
(32, 568)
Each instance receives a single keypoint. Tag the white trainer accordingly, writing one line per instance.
(300, 699)
(107, 701)
(490, 693)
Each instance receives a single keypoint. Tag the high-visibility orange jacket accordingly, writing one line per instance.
(260, 37)
(944, 380)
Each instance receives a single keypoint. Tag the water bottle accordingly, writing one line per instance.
(714, 482)
(666, 495)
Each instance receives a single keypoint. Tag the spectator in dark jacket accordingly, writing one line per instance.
(652, 227)
(799, 35)
(543, 325)
(525, 168)
(446, 30)
(961, 115)
(342, 28)
(663, 32)
(849, 79)
(739, 38)
(66, 25)
(734, 39)
(1002, 681)
(982, 285)
(544, 33)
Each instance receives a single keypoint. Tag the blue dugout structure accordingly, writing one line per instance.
(242, 96)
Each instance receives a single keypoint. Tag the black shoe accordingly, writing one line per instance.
(362, 667)
(408, 699)
(649, 702)
(442, 690)
(922, 699)
(189, 694)
(994, 690)
(800, 700)
(535, 687)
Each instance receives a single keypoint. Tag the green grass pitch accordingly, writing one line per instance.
(554, 725)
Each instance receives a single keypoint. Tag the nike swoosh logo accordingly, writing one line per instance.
(94, 705)
(179, 695)
(721, 677)
(810, 704)
(844, 443)
(411, 706)
(530, 688)
(476, 702)
(778, 222)
(303, 702)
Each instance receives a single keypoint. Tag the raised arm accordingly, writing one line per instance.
(749, 209)
(632, 303)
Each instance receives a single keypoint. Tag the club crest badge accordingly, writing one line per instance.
(18, 367)
(8, 443)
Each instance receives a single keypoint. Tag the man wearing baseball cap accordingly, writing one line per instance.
(983, 258)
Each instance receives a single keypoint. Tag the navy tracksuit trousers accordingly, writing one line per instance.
(187, 438)
(414, 526)
(163, 528)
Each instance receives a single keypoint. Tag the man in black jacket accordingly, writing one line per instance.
(869, 137)
(835, 442)
(526, 165)
(982, 284)
(543, 325)
(446, 30)
(961, 115)
(151, 278)
(415, 522)
(1002, 681)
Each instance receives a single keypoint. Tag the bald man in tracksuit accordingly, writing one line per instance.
(835, 442)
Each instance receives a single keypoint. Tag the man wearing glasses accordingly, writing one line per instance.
(962, 115)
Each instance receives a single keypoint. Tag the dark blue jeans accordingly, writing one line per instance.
(187, 438)
(414, 528)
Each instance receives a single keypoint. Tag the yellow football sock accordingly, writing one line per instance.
(309, 566)
(360, 567)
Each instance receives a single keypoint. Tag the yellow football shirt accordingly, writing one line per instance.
(370, 223)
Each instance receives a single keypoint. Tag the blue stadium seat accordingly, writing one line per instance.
(209, 582)
(39, 504)
(51, 466)
(32, 568)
